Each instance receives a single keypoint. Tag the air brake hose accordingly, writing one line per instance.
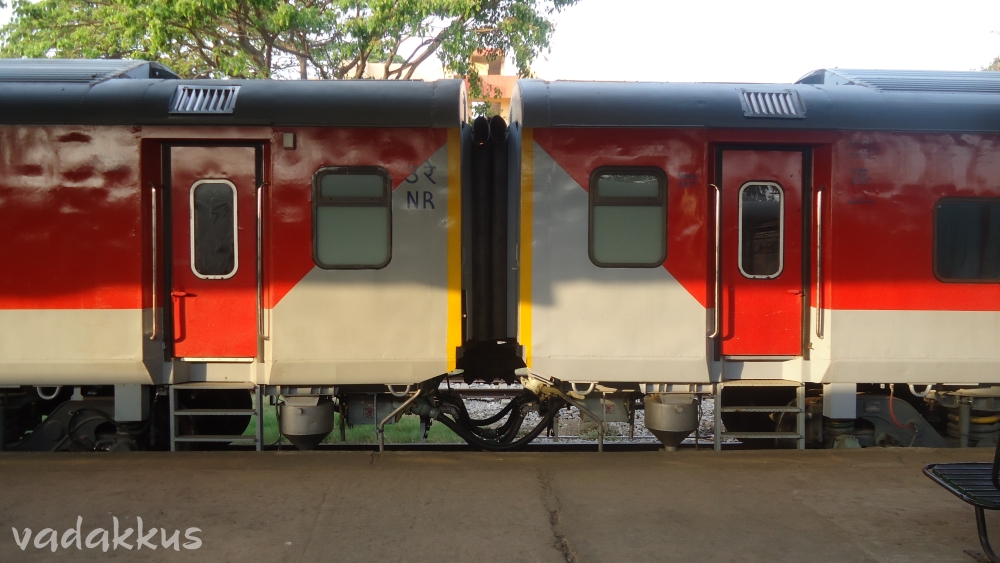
(481, 421)
(492, 447)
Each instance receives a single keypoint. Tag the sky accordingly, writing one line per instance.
(763, 40)
(766, 41)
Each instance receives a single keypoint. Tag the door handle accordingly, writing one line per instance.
(178, 333)
(795, 291)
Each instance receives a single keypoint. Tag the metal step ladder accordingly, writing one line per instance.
(256, 413)
(798, 410)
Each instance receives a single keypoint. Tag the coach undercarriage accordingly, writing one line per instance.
(754, 413)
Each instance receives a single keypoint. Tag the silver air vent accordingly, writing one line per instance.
(204, 99)
(785, 104)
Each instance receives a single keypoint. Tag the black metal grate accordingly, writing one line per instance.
(969, 481)
(204, 99)
(786, 104)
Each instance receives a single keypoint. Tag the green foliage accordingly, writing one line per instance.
(406, 431)
(278, 38)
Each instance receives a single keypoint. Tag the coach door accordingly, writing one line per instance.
(761, 253)
(214, 251)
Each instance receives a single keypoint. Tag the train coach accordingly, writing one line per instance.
(823, 257)
(182, 243)
(785, 245)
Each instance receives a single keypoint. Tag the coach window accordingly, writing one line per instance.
(628, 217)
(967, 240)
(213, 229)
(352, 218)
(762, 226)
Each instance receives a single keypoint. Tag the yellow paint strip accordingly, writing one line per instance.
(454, 337)
(524, 261)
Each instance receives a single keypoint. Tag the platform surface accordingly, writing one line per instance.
(740, 506)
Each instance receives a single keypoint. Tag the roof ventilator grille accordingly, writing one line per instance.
(204, 99)
(785, 104)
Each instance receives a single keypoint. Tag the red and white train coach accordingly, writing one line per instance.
(824, 256)
(758, 238)
(159, 231)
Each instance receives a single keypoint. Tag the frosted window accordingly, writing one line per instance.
(348, 185)
(628, 218)
(630, 235)
(627, 186)
(352, 236)
(352, 223)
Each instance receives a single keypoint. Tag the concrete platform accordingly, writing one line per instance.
(741, 506)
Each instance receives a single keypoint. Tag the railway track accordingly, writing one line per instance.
(541, 447)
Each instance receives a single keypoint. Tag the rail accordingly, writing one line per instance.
(152, 335)
(717, 320)
(401, 408)
(819, 262)
(261, 310)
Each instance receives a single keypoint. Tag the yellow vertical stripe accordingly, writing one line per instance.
(454, 337)
(524, 262)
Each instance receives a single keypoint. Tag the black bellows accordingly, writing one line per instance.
(490, 353)
(489, 229)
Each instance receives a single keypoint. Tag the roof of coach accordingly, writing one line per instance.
(822, 100)
(908, 80)
(89, 71)
(90, 92)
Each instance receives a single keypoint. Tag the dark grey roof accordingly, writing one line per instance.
(908, 80)
(78, 70)
(826, 107)
(346, 103)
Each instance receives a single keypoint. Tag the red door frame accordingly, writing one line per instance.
(237, 329)
(798, 266)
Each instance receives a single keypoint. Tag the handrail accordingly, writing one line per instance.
(819, 262)
(261, 311)
(152, 336)
(717, 321)
(380, 429)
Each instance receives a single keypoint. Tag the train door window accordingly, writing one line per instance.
(967, 240)
(352, 221)
(628, 217)
(762, 226)
(214, 255)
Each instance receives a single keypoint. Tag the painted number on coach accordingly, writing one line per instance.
(420, 200)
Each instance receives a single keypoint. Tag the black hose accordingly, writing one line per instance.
(496, 417)
(457, 401)
(516, 420)
(494, 447)
(467, 422)
(504, 433)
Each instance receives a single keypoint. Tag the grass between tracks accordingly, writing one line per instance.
(406, 431)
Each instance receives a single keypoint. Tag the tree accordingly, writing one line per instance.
(331, 39)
